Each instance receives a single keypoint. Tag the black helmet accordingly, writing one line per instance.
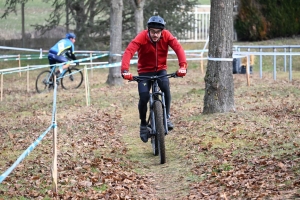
(156, 22)
(70, 35)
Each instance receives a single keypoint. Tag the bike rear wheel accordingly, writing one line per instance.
(160, 130)
(72, 79)
(43, 82)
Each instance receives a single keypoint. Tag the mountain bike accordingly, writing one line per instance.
(157, 120)
(71, 78)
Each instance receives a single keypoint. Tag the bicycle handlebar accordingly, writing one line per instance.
(141, 78)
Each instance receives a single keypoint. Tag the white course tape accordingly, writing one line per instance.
(219, 59)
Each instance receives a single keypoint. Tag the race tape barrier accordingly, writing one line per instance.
(36, 142)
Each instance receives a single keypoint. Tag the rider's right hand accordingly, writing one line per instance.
(127, 75)
(181, 72)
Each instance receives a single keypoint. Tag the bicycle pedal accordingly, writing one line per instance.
(150, 131)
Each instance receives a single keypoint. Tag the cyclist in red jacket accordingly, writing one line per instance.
(152, 46)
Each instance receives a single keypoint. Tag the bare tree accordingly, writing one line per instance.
(219, 89)
(11, 7)
(114, 76)
(138, 6)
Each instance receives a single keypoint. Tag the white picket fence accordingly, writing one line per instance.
(200, 26)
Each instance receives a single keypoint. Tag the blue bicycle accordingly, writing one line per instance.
(71, 78)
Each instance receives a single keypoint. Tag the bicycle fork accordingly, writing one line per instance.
(165, 112)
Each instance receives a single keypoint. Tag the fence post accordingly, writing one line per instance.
(54, 162)
(290, 69)
(91, 61)
(284, 59)
(248, 70)
(19, 64)
(1, 86)
(260, 63)
(86, 84)
(41, 53)
(27, 78)
(274, 65)
(201, 64)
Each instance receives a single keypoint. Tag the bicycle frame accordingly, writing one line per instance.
(50, 75)
(157, 121)
(155, 95)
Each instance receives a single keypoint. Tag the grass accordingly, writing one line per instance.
(11, 26)
(204, 2)
(36, 12)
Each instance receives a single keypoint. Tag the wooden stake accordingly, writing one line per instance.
(247, 70)
(27, 78)
(19, 64)
(54, 162)
(86, 86)
(1, 87)
(91, 61)
(201, 64)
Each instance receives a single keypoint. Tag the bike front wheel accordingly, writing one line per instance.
(72, 79)
(160, 130)
(44, 82)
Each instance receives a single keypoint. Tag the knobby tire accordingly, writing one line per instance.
(160, 130)
(72, 79)
(42, 84)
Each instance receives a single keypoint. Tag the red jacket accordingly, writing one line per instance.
(152, 56)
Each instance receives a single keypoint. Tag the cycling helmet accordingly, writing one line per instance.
(70, 35)
(156, 22)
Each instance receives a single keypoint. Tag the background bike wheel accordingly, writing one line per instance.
(72, 79)
(160, 130)
(42, 84)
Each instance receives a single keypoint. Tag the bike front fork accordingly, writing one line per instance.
(153, 126)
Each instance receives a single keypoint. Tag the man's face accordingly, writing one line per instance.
(72, 40)
(155, 34)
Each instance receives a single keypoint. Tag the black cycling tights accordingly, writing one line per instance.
(144, 88)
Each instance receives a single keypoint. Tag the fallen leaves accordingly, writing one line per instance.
(88, 161)
(252, 153)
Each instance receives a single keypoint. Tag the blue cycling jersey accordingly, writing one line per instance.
(62, 46)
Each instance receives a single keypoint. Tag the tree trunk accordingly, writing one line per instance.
(114, 76)
(219, 89)
(138, 6)
(23, 24)
(67, 16)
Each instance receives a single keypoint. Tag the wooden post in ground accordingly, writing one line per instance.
(1, 87)
(19, 64)
(86, 84)
(54, 162)
(248, 70)
(201, 63)
(91, 61)
(27, 78)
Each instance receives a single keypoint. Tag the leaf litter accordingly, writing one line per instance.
(252, 153)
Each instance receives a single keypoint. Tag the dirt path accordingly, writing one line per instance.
(170, 179)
